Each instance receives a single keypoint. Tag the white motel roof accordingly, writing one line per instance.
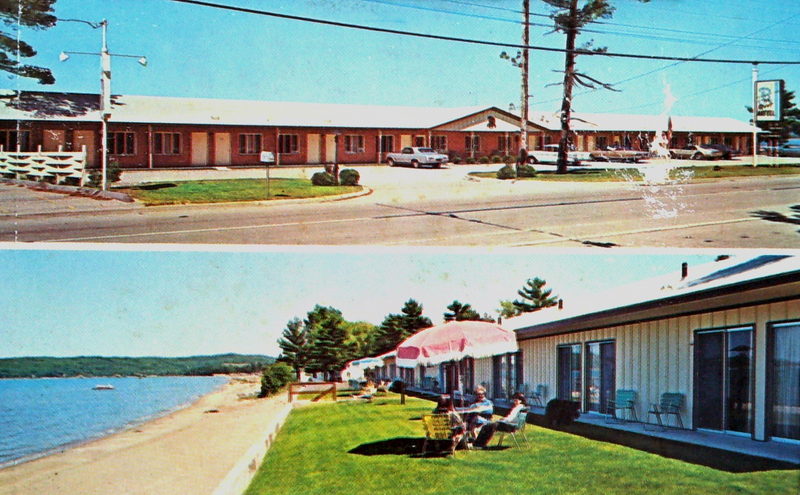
(720, 282)
(84, 107)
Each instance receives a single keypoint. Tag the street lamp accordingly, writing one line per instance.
(105, 86)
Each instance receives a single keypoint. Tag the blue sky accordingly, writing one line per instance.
(197, 51)
(178, 301)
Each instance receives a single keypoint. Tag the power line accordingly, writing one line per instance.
(475, 41)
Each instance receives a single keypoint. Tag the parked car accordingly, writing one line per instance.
(696, 152)
(549, 154)
(417, 157)
(727, 151)
(790, 148)
(617, 154)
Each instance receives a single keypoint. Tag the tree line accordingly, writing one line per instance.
(56, 367)
(324, 341)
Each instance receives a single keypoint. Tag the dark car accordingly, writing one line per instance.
(727, 151)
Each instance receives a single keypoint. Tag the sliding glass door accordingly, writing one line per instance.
(569, 372)
(600, 375)
(723, 366)
(784, 381)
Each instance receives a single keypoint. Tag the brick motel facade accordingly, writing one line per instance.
(165, 132)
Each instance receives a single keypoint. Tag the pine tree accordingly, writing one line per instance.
(295, 346)
(534, 296)
(329, 350)
(32, 14)
(461, 312)
(395, 328)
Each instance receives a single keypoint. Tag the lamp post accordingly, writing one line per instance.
(105, 87)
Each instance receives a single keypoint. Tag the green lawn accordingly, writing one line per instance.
(682, 174)
(220, 191)
(321, 450)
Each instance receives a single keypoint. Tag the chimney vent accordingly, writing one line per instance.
(560, 304)
(684, 270)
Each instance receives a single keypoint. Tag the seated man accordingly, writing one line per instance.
(479, 412)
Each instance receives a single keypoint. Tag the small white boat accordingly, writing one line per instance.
(103, 387)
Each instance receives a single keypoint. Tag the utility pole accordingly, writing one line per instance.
(755, 116)
(523, 125)
(569, 71)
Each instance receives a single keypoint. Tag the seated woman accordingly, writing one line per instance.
(507, 424)
(445, 406)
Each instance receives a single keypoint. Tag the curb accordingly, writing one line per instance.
(242, 473)
(86, 192)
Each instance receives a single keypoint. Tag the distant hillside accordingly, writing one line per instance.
(39, 367)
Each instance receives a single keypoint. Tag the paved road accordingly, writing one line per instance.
(446, 208)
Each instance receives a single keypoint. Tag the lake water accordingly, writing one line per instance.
(39, 416)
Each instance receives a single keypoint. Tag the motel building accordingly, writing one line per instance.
(723, 338)
(165, 132)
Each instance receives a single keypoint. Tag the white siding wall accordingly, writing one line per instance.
(656, 356)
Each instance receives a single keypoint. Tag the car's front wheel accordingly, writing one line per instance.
(390, 162)
(414, 163)
(697, 156)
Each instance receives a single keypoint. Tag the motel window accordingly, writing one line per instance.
(250, 144)
(601, 143)
(287, 143)
(121, 143)
(419, 141)
(504, 143)
(472, 143)
(10, 140)
(386, 144)
(439, 143)
(167, 143)
(569, 372)
(354, 144)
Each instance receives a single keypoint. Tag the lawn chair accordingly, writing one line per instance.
(670, 405)
(438, 428)
(625, 400)
(538, 396)
(519, 429)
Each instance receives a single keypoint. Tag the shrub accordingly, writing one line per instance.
(496, 159)
(274, 378)
(484, 160)
(349, 177)
(470, 160)
(509, 159)
(507, 172)
(526, 170)
(323, 179)
(113, 174)
(456, 159)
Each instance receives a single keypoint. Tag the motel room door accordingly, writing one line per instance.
(85, 138)
(723, 364)
(313, 148)
(330, 148)
(53, 139)
(199, 148)
(222, 148)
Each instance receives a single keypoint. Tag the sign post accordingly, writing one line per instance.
(267, 157)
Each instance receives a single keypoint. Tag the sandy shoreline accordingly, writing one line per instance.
(187, 451)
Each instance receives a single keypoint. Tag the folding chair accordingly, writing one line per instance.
(670, 405)
(518, 429)
(625, 400)
(438, 428)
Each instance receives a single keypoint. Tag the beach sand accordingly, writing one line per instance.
(188, 451)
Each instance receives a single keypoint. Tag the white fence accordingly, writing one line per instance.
(44, 165)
